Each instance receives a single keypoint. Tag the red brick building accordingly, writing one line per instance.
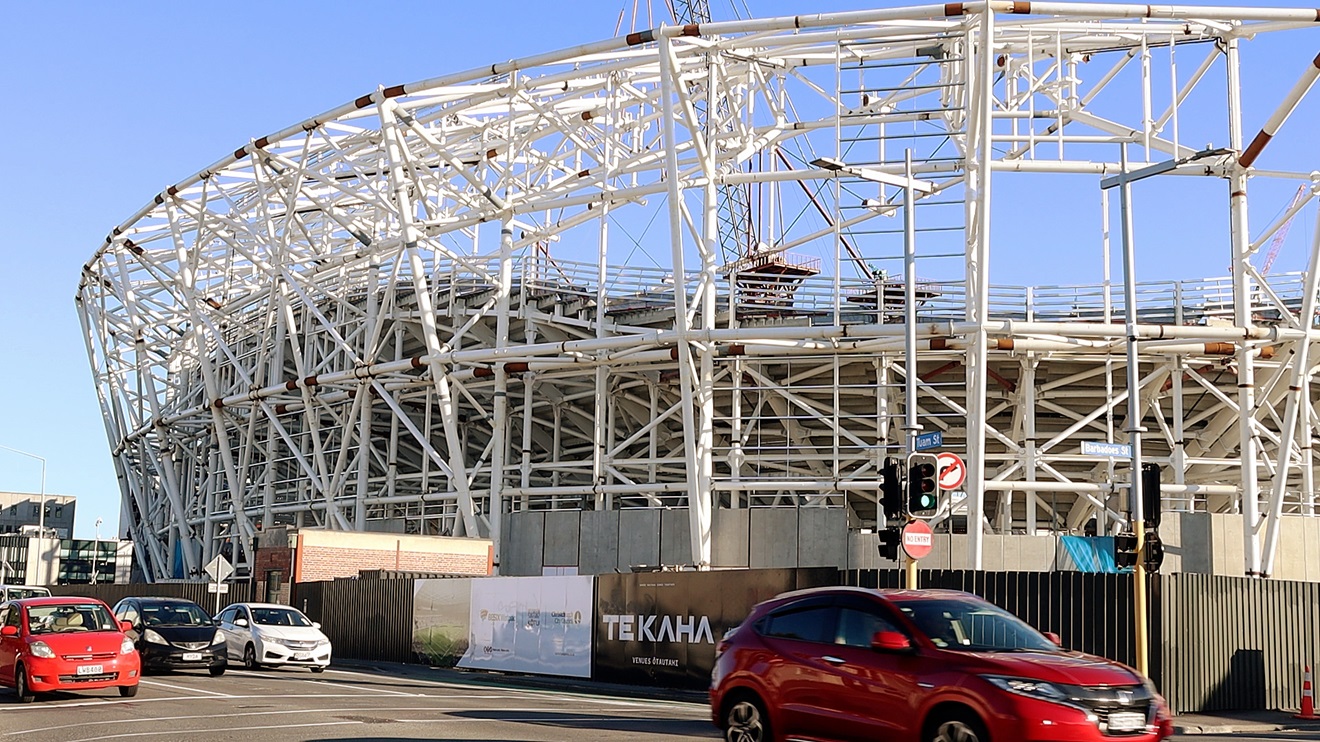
(287, 555)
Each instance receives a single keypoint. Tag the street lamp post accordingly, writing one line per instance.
(41, 513)
(1124, 181)
(96, 550)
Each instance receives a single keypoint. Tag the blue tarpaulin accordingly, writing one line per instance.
(1091, 553)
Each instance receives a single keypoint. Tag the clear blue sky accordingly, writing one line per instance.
(108, 103)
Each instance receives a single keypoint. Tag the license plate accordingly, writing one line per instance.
(302, 655)
(90, 669)
(192, 656)
(1126, 722)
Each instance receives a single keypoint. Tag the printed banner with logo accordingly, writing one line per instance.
(660, 628)
(539, 625)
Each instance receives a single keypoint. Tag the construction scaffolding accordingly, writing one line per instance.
(420, 308)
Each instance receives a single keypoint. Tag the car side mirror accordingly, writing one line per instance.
(240, 622)
(316, 625)
(8, 631)
(125, 626)
(890, 641)
(1055, 638)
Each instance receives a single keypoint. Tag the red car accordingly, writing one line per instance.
(917, 666)
(51, 644)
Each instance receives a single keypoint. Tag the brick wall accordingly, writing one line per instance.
(321, 562)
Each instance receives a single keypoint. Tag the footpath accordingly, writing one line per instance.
(1246, 722)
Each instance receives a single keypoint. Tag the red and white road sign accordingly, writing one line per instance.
(952, 471)
(918, 539)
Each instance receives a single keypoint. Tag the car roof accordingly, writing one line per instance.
(57, 600)
(889, 594)
(264, 605)
(154, 599)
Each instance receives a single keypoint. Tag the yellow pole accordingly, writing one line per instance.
(1139, 601)
(909, 572)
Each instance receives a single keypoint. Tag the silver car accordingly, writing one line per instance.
(266, 635)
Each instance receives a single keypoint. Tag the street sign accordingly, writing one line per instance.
(219, 568)
(918, 539)
(1111, 450)
(220, 588)
(929, 440)
(952, 471)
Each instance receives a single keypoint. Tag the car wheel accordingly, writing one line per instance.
(250, 658)
(218, 670)
(958, 727)
(318, 668)
(128, 691)
(21, 689)
(745, 720)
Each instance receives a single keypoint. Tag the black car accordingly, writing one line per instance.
(173, 634)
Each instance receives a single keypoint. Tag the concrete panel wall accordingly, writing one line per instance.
(598, 547)
(639, 538)
(774, 538)
(675, 537)
(524, 534)
(822, 537)
(561, 538)
(730, 528)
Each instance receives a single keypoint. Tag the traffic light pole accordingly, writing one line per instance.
(1134, 420)
(910, 426)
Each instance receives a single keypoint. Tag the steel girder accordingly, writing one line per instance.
(421, 309)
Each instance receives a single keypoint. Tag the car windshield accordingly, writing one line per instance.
(974, 626)
(279, 617)
(69, 617)
(174, 614)
(27, 592)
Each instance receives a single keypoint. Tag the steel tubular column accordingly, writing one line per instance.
(1246, 355)
(981, 59)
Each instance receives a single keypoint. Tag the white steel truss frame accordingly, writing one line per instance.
(418, 308)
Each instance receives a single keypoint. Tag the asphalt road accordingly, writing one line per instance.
(295, 704)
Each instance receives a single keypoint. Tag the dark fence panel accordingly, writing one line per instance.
(194, 591)
(364, 619)
(1092, 612)
(1234, 643)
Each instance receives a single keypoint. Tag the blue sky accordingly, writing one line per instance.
(108, 103)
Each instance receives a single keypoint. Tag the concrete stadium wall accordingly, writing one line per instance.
(603, 542)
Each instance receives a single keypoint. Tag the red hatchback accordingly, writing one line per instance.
(51, 644)
(917, 666)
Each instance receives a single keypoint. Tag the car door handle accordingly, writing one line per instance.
(833, 660)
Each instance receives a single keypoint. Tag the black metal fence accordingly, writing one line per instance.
(1091, 612)
(364, 619)
(194, 591)
(1233, 643)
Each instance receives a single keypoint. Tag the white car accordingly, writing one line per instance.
(267, 634)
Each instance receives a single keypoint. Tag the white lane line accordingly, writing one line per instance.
(217, 731)
(197, 717)
(184, 688)
(34, 708)
(365, 689)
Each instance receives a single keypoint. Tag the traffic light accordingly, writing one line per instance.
(1154, 552)
(1150, 494)
(923, 487)
(1125, 550)
(891, 491)
(889, 539)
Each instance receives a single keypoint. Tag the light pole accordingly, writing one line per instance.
(1124, 181)
(41, 513)
(96, 551)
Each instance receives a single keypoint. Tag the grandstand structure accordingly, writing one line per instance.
(666, 270)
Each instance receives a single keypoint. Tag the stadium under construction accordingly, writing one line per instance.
(715, 271)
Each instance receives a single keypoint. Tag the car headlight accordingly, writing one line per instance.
(126, 646)
(1037, 689)
(151, 637)
(219, 637)
(41, 649)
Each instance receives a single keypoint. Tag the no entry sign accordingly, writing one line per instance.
(918, 539)
(952, 471)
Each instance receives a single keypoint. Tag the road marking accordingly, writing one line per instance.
(195, 717)
(366, 690)
(227, 729)
(184, 688)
